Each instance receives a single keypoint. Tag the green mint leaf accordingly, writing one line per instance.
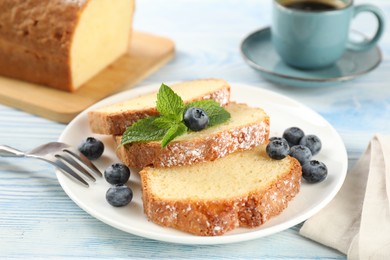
(144, 130)
(173, 132)
(169, 104)
(164, 122)
(216, 113)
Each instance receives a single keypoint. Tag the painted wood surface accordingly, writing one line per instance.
(39, 221)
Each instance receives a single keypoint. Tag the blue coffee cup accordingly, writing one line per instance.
(312, 34)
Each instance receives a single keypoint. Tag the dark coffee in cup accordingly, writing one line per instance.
(313, 5)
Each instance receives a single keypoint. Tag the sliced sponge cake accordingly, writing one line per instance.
(248, 127)
(113, 119)
(244, 189)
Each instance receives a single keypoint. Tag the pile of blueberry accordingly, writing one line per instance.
(302, 147)
(117, 174)
(119, 194)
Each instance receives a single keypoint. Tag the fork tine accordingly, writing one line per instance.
(83, 160)
(75, 164)
(59, 164)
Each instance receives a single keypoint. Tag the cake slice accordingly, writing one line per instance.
(248, 127)
(113, 119)
(244, 189)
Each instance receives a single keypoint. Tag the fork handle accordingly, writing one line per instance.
(6, 151)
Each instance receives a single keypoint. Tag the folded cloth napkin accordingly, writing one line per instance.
(357, 221)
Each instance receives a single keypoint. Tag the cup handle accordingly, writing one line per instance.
(369, 43)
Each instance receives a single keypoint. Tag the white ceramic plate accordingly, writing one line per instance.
(284, 112)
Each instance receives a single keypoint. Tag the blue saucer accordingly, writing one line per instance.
(260, 54)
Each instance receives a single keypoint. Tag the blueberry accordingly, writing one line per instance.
(117, 173)
(277, 148)
(301, 153)
(119, 195)
(275, 138)
(293, 135)
(92, 148)
(314, 171)
(195, 119)
(312, 142)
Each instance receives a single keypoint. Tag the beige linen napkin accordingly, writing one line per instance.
(357, 221)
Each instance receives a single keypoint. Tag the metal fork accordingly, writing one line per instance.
(63, 156)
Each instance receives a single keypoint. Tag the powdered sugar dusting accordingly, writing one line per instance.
(222, 96)
(75, 2)
(215, 146)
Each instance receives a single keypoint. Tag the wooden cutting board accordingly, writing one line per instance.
(146, 54)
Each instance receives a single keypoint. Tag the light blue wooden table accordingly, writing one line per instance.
(39, 221)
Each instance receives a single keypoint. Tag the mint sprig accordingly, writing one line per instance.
(169, 104)
(144, 130)
(169, 124)
(174, 131)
